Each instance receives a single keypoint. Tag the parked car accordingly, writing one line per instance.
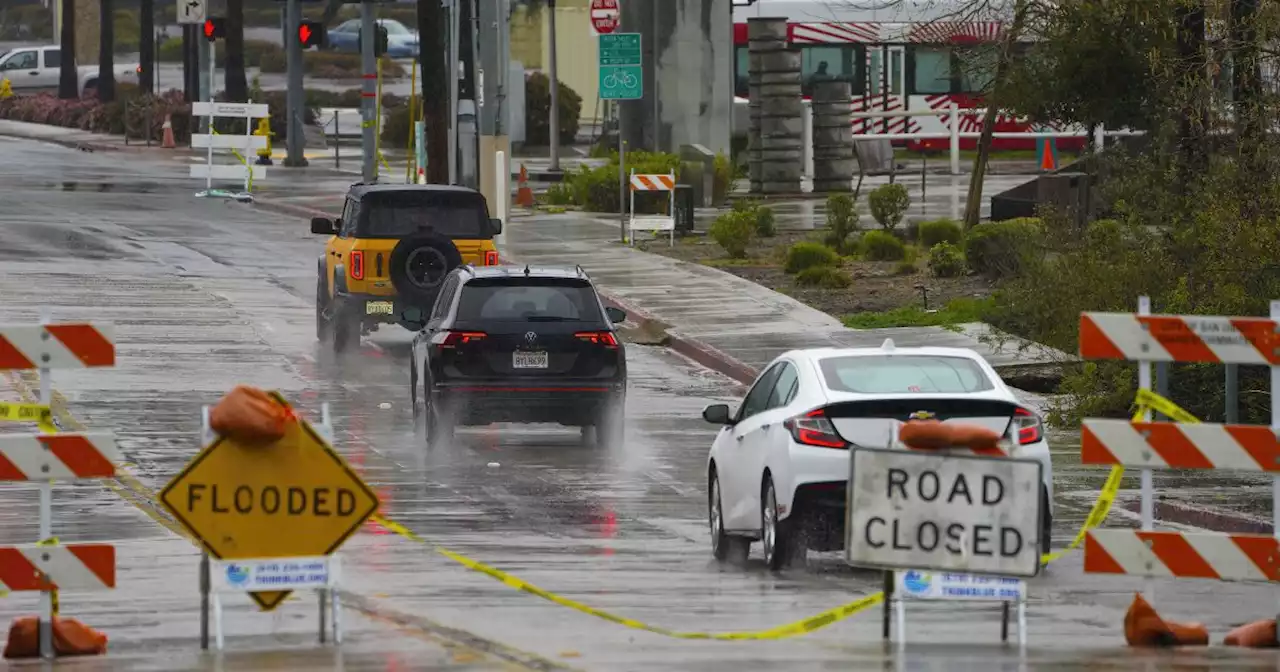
(401, 41)
(779, 467)
(35, 69)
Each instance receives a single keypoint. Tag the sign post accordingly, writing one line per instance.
(621, 78)
(294, 499)
(961, 516)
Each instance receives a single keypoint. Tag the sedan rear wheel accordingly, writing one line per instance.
(782, 546)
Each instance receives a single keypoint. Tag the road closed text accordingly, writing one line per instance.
(943, 512)
(955, 538)
(270, 500)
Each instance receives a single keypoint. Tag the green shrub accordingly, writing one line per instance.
(939, 231)
(397, 128)
(888, 203)
(805, 255)
(999, 249)
(171, 50)
(766, 223)
(882, 246)
(822, 276)
(733, 231)
(905, 267)
(537, 120)
(946, 260)
(842, 221)
(596, 189)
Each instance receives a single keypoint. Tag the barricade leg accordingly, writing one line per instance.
(900, 610)
(47, 598)
(1004, 621)
(1022, 622)
(1148, 482)
(217, 622)
(337, 615)
(1275, 429)
(322, 594)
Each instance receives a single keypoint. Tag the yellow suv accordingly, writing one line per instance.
(389, 252)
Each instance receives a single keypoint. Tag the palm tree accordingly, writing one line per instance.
(435, 87)
(237, 86)
(68, 83)
(106, 50)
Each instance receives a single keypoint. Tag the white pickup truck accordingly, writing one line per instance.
(32, 69)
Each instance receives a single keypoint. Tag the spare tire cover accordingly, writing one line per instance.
(419, 264)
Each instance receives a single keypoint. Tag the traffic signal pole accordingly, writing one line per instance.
(294, 139)
(368, 92)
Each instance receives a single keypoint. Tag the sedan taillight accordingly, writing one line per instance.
(605, 338)
(814, 429)
(1030, 428)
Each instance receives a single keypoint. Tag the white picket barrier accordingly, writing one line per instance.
(241, 147)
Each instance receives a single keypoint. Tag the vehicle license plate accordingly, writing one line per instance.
(378, 308)
(528, 360)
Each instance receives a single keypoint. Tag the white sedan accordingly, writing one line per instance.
(778, 469)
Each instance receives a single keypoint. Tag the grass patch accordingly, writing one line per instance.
(727, 262)
(955, 312)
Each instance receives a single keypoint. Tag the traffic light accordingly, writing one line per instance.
(379, 42)
(215, 27)
(312, 34)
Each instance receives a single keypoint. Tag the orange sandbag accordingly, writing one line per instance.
(1144, 627)
(249, 414)
(1255, 635)
(70, 638)
(976, 437)
(925, 434)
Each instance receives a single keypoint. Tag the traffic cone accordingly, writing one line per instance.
(167, 142)
(1048, 161)
(524, 195)
(422, 175)
(1144, 627)
(1255, 635)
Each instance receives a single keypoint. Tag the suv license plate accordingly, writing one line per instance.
(528, 360)
(378, 307)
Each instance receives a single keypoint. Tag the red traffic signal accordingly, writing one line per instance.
(215, 27)
(312, 34)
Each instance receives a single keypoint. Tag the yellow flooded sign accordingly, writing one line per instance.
(293, 497)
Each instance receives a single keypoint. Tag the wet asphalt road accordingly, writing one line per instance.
(206, 294)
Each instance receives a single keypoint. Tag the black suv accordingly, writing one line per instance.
(520, 344)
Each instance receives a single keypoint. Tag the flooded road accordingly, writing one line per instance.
(206, 294)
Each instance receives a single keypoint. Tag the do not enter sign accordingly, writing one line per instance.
(944, 512)
(605, 16)
(294, 497)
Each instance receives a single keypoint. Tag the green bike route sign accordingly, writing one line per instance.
(621, 72)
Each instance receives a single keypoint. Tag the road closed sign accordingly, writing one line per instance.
(943, 512)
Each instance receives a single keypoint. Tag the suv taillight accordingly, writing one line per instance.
(1030, 428)
(814, 429)
(605, 338)
(491, 258)
(452, 339)
(356, 267)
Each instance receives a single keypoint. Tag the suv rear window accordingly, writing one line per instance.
(904, 374)
(528, 300)
(456, 215)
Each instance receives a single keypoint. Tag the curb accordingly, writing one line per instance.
(696, 350)
(70, 144)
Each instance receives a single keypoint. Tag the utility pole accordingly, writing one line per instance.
(147, 46)
(553, 75)
(495, 63)
(294, 138)
(369, 90)
(452, 65)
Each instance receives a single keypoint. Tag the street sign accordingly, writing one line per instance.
(605, 16)
(929, 511)
(293, 497)
(621, 72)
(192, 11)
(917, 585)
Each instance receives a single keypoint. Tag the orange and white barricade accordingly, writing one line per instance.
(667, 222)
(1147, 445)
(48, 565)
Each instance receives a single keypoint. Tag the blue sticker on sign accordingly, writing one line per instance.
(237, 575)
(916, 582)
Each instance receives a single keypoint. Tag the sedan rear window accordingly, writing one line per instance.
(529, 300)
(904, 374)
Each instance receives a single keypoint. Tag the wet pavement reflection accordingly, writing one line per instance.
(206, 294)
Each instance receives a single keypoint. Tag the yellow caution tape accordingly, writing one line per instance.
(800, 627)
(1147, 399)
(37, 413)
